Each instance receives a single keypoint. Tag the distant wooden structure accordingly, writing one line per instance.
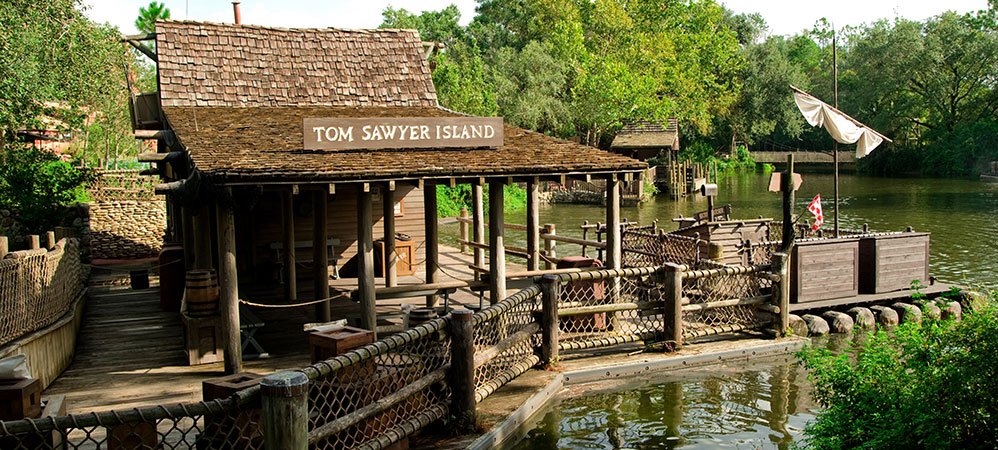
(644, 140)
(240, 182)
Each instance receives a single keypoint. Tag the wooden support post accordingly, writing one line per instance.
(612, 222)
(432, 239)
(50, 240)
(320, 259)
(497, 249)
(478, 222)
(288, 241)
(673, 305)
(533, 224)
(788, 205)
(188, 238)
(549, 246)
(228, 284)
(365, 262)
(462, 227)
(781, 291)
(550, 290)
(202, 239)
(710, 208)
(462, 370)
(4, 247)
(715, 252)
(389, 257)
(284, 400)
(34, 242)
(585, 237)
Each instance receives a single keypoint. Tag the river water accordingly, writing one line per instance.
(960, 214)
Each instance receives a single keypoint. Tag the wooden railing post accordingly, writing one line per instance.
(4, 247)
(463, 229)
(462, 370)
(549, 249)
(673, 308)
(781, 291)
(284, 398)
(50, 240)
(550, 290)
(34, 242)
(585, 237)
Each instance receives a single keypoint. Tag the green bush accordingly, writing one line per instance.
(929, 385)
(450, 200)
(37, 185)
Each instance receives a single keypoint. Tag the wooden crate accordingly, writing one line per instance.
(20, 398)
(219, 431)
(203, 337)
(404, 251)
(824, 269)
(890, 263)
(730, 234)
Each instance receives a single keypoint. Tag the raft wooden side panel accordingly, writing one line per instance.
(822, 270)
(730, 234)
(890, 263)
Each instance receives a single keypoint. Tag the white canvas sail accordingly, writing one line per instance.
(841, 127)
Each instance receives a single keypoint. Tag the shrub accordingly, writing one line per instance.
(929, 385)
(37, 184)
(450, 200)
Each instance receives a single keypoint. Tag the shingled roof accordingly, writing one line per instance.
(643, 133)
(235, 95)
(264, 144)
(212, 64)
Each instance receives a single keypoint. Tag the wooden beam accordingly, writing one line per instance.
(138, 37)
(533, 224)
(612, 222)
(320, 259)
(432, 238)
(228, 284)
(497, 249)
(389, 258)
(288, 237)
(202, 239)
(365, 262)
(190, 245)
(142, 48)
(153, 134)
(156, 156)
(478, 221)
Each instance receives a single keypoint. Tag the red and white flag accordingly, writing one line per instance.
(815, 208)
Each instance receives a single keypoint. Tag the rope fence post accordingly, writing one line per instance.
(34, 242)
(550, 287)
(549, 249)
(4, 247)
(673, 308)
(284, 397)
(50, 240)
(781, 291)
(462, 370)
(463, 228)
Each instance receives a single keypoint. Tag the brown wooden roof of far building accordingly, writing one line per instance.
(236, 95)
(643, 133)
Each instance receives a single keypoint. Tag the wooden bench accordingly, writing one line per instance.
(722, 213)
(333, 256)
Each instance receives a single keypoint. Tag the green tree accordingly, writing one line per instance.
(529, 85)
(148, 15)
(37, 184)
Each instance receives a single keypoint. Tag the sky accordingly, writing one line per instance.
(783, 16)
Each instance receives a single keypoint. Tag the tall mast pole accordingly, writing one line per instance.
(835, 144)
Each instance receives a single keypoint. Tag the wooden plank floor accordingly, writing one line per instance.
(130, 353)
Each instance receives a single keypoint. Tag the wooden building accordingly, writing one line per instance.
(245, 187)
(642, 139)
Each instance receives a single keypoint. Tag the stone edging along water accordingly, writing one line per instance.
(501, 434)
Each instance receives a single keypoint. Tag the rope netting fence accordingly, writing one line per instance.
(123, 184)
(641, 248)
(37, 287)
(376, 395)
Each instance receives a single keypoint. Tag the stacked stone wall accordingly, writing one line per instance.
(127, 228)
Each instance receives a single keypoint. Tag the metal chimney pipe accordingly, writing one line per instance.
(235, 12)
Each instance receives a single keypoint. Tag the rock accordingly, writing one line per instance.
(816, 326)
(886, 317)
(975, 300)
(907, 312)
(838, 322)
(931, 311)
(862, 317)
(952, 310)
(797, 325)
(78, 222)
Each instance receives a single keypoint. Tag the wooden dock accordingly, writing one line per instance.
(131, 353)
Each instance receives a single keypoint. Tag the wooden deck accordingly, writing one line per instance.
(130, 353)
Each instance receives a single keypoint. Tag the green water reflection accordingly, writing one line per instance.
(960, 214)
(762, 404)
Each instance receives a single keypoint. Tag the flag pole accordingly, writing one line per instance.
(835, 143)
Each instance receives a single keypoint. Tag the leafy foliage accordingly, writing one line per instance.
(148, 15)
(450, 200)
(929, 385)
(37, 184)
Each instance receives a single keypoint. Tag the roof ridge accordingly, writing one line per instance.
(276, 28)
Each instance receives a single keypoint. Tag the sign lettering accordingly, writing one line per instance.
(408, 132)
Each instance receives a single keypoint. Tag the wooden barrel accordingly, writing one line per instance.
(420, 316)
(201, 293)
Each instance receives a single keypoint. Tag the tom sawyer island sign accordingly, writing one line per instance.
(409, 132)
